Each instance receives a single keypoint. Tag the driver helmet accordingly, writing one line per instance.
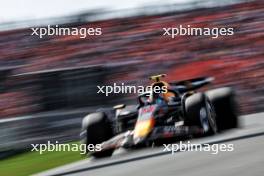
(157, 91)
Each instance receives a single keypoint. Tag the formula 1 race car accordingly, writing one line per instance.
(178, 112)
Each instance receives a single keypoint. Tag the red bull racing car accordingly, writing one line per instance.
(178, 112)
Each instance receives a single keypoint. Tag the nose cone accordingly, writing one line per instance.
(142, 130)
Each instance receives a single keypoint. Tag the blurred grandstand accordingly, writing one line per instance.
(235, 61)
(60, 73)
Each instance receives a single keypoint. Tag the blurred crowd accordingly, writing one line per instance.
(235, 61)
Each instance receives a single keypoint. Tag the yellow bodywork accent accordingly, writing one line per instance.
(143, 128)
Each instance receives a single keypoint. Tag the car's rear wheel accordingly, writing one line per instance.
(98, 129)
(225, 106)
(200, 112)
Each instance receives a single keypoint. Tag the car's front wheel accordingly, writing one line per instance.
(98, 129)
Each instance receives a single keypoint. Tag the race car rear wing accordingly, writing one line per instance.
(191, 84)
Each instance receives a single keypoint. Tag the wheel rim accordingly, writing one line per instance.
(204, 119)
(211, 116)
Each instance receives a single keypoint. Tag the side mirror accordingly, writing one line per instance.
(120, 106)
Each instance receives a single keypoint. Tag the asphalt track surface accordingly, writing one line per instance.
(247, 158)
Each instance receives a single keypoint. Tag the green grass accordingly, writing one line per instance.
(32, 162)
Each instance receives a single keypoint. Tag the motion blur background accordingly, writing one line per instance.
(47, 85)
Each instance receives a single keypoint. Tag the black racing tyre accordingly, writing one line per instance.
(223, 100)
(200, 112)
(98, 130)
